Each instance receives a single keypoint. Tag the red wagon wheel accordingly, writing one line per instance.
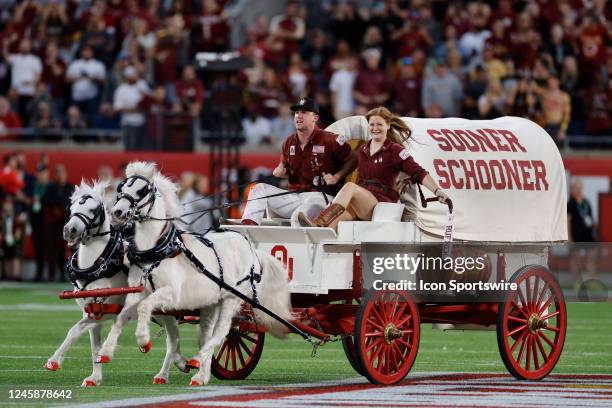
(531, 324)
(238, 355)
(387, 335)
(348, 344)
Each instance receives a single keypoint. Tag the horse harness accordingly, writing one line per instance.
(137, 204)
(108, 264)
(99, 216)
(170, 245)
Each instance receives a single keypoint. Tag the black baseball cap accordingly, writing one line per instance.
(306, 104)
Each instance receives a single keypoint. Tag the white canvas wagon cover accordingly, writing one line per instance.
(505, 177)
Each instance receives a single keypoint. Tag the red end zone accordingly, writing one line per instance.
(423, 390)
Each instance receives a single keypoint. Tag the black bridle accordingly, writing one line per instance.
(145, 197)
(95, 221)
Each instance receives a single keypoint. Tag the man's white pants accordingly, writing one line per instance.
(283, 205)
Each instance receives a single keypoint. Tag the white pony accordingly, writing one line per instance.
(98, 264)
(147, 198)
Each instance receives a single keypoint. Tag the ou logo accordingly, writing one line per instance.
(280, 253)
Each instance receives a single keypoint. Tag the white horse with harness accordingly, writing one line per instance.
(182, 270)
(99, 264)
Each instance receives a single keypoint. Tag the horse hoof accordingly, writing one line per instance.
(89, 383)
(195, 383)
(52, 366)
(146, 348)
(193, 363)
(103, 359)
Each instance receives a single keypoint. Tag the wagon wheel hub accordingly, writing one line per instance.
(391, 333)
(534, 323)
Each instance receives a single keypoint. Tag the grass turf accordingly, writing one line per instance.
(28, 337)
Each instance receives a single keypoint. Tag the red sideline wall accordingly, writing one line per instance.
(86, 164)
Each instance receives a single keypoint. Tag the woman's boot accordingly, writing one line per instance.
(328, 215)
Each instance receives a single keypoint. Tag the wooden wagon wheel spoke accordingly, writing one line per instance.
(522, 298)
(520, 309)
(535, 295)
(245, 347)
(528, 358)
(540, 299)
(221, 350)
(517, 319)
(552, 328)
(376, 325)
(522, 349)
(528, 293)
(518, 329)
(404, 343)
(546, 339)
(374, 344)
(376, 314)
(541, 347)
(404, 321)
(548, 316)
(546, 304)
(517, 342)
(534, 352)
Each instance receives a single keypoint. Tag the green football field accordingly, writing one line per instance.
(33, 322)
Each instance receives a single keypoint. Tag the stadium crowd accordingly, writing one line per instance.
(109, 65)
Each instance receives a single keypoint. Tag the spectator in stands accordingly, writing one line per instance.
(556, 109)
(100, 38)
(371, 84)
(194, 201)
(267, 94)
(341, 87)
(44, 123)
(189, 92)
(12, 231)
(107, 118)
(442, 92)
(210, 32)
(57, 200)
(8, 120)
(283, 124)
(74, 122)
(316, 53)
(525, 99)
(525, 41)
(5, 75)
(581, 232)
(499, 41)
(450, 42)
(558, 46)
(472, 43)
(592, 36)
(410, 37)
(10, 180)
(26, 69)
(53, 76)
(54, 21)
(86, 76)
(406, 90)
(257, 129)
(494, 102)
(298, 81)
(127, 100)
(36, 218)
(170, 51)
(289, 28)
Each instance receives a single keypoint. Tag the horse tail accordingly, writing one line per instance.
(273, 293)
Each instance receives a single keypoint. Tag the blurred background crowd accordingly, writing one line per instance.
(98, 68)
(107, 65)
(35, 207)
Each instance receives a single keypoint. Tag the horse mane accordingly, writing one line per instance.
(97, 189)
(166, 187)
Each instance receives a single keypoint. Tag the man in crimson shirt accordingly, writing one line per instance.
(312, 159)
